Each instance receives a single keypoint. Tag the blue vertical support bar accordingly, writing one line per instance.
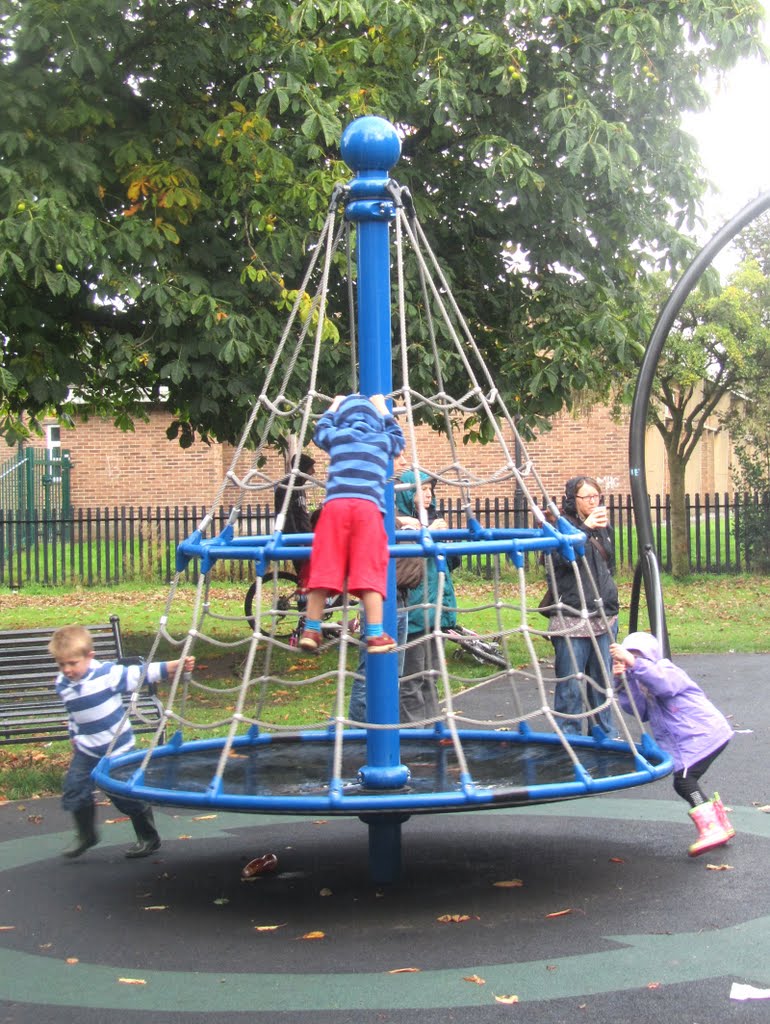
(370, 147)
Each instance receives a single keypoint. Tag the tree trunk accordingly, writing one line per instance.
(679, 525)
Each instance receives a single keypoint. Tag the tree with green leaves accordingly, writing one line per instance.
(753, 243)
(719, 346)
(165, 169)
(749, 425)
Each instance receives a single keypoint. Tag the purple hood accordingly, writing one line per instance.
(645, 644)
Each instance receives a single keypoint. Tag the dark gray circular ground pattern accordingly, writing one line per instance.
(649, 933)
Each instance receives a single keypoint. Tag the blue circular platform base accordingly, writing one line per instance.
(294, 773)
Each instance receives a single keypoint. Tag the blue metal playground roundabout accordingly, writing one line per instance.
(514, 750)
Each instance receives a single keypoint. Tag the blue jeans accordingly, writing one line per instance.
(568, 694)
(357, 705)
(78, 787)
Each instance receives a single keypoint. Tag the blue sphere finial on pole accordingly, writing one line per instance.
(370, 144)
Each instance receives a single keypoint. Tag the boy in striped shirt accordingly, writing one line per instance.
(91, 691)
(350, 545)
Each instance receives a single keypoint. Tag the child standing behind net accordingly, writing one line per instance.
(350, 544)
(91, 691)
(684, 723)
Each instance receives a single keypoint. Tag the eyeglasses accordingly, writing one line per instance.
(593, 499)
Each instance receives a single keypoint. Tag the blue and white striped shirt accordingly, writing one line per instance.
(94, 705)
(360, 442)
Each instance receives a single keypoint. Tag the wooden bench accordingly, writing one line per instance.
(30, 709)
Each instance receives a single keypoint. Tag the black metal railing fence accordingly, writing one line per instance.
(97, 546)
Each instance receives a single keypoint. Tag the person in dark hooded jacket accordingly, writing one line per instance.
(350, 545)
(575, 650)
(297, 518)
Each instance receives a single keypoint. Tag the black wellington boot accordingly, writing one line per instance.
(85, 831)
(147, 838)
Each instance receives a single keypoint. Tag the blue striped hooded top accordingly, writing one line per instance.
(360, 443)
(94, 705)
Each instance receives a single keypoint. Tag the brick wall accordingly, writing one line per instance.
(142, 467)
(593, 444)
(145, 468)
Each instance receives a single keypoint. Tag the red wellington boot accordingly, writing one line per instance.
(722, 815)
(711, 832)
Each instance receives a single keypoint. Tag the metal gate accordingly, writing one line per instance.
(35, 484)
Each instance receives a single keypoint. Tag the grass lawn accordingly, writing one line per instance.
(705, 614)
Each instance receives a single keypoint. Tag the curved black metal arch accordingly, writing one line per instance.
(647, 570)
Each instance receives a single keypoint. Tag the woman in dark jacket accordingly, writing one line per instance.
(574, 649)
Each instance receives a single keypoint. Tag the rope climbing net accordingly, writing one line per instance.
(492, 734)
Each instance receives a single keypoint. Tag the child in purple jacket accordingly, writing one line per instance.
(684, 723)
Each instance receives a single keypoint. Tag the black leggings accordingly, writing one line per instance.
(686, 781)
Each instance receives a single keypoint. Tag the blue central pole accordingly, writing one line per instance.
(370, 147)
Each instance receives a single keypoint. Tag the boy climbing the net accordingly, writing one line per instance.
(350, 545)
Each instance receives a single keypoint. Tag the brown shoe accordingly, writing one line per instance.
(380, 644)
(310, 640)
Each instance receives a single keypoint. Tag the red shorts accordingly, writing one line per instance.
(350, 543)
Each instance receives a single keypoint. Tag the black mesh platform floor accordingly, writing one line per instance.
(507, 770)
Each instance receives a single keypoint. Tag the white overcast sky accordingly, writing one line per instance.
(734, 138)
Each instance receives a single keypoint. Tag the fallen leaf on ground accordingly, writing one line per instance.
(405, 970)
(72, 960)
(314, 935)
(719, 867)
(560, 913)
(325, 892)
(653, 984)
(35, 819)
(132, 981)
(475, 979)
(617, 860)
(506, 999)
(115, 821)
(513, 883)
(267, 927)
(455, 918)
(159, 907)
